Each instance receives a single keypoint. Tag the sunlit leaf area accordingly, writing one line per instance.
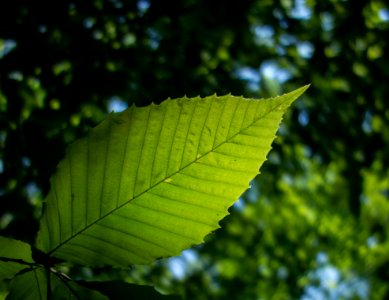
(313, 225)
(111, 203)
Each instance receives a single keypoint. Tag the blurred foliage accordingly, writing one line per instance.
(315, 223)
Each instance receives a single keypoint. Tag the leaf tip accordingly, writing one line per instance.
(298, 92)
(288, 98)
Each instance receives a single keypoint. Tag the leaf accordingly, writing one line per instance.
(14, 256)
(32, 284)
(122, 290)
(29, 285)
(73, 291)
(151, 181)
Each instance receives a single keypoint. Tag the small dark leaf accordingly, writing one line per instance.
(122, 290)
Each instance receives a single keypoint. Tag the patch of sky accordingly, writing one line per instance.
(287, 40)
(42, 28)
(32, 190)
(277, 13)
(6, 46)
(178, 267)
(372, 242)
(308, 152)
(252, 193)
(264, 35)
(288, 179)
(327, 21)
(182, 265)
(300, 10)
(282, 273)
(272, 70)
(33, 193)
(385, 193)
(303, 117)
(143, 6)
(1, 166)
(274, 158)
(190, 256)
(116, 104)
(155, 38)
(305, 49)
(89, 22)
(383, 14)
(26, 162)
(282, 130)
(250, 196)
(363, 199)
(280, 50)
(321, 258)
(250, 75)
(239, 205)
(331, 284)
(367, 122)
(16, 75)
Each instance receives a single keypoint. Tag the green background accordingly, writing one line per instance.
(315, 224)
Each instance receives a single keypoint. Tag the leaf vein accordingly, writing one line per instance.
(206, 181)
(105, 165)
(157, 144)
(166, 198)
(171, 214)
(135, 235)
(152, 225)
(187, 133)
(172, 142)
(129, 116)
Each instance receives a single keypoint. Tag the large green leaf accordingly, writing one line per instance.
(73, 291)
(33, 284)
(152, 181)
(30, 285)
(14, 256)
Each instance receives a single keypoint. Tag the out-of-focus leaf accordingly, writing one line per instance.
(72, 291)
(116, 290)
(14, 256)
(32, 284)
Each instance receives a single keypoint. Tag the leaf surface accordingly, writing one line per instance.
(14, 256)
(151, 181)
(32, 284)
(73, 291)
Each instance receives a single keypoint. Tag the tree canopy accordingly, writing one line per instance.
(314, 224)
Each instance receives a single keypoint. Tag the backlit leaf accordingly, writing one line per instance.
(151, 181)
(14, 256)
(32, 284)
